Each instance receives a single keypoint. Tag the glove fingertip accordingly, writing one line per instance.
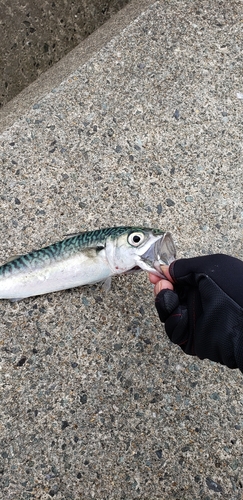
(166, 301)
(176, 327)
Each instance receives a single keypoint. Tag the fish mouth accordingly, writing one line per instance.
(161, 252)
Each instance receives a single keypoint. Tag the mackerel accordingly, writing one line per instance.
(86, 258)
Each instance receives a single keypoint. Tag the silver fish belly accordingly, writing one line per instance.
(82, 259)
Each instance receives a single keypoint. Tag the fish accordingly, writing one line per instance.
(84, 259)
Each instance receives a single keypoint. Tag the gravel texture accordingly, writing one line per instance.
(95, 400)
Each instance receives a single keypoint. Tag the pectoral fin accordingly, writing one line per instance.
(107, 285)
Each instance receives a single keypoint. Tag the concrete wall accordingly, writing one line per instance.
(35, 35)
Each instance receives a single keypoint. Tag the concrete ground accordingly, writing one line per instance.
(95, 400)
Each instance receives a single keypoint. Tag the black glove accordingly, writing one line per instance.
(204, 313)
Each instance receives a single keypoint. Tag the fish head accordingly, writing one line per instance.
(140, 249)
(161, 252)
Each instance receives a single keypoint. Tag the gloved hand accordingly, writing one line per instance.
(204, 312)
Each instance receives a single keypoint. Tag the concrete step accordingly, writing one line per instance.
(35, 35)
(68, 64)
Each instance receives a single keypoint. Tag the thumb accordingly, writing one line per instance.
(166, 272)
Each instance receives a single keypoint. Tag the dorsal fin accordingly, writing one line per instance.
(71, 235)
(13, 258)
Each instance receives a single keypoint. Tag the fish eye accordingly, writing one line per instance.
(135, 239)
